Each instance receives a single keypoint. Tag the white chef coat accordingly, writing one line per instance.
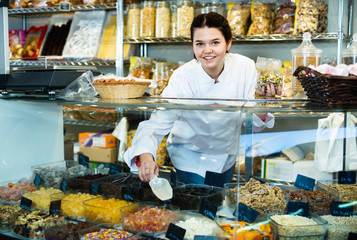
(200, 141)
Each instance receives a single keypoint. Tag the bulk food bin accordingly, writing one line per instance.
(12, 191)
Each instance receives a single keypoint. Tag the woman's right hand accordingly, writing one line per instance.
(148, 167)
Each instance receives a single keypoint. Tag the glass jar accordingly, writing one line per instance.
(185, 15)
(147, 19)
(173, 22)
(162, 76)
(162, 28)
(306, 54)
(133, 27)
(217, 7)
(349, 55)
(201, 7)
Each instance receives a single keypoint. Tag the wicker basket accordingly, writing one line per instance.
(119, 90)
(327, 88)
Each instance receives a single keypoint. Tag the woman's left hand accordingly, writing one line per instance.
(270, 92)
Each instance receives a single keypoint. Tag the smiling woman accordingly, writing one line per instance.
(200, 141)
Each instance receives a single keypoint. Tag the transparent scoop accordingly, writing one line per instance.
(161, 188)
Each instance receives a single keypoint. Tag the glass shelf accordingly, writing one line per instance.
(244, 38)
(67, 63)
(88, 123)
(50, 10)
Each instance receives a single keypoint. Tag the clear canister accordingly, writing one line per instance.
(147, 19)
(162, 76)
(162, 27)
(306, 54)
(173, 22)
(133, 27)
(201, 7)
(349, 55)
(185, 15)
(216, 6)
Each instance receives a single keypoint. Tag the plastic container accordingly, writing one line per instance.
(148, 218)
(105, 210)
(306, 54)
(345, 192)
(147, 19)
(298, 227)
(173, 21)
(162, 28)
(133, 27)
(109, 233)
(42, 198)
(185, 15)
(12, 191)
(339, 227)
(201, 7)
(349, 55)
(216, 6)
(69, 230)
(267, 199)
(162, 76)
(190, 196)
(6, 212)
(84, 183)
(319, 200)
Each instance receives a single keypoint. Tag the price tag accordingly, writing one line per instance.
(200, 237)
(175, 232)
(26, 203)
(83, 159)
(346, 177)
(55, 207)
(336, 211)
(214, 179)
(127, 193)
(115, 169)
(37, 180)
(352, 236)
(173, 177)
(293, 207)
(94, 188)
(245, 213)
(65, 6)
(63, 185)
(207, 209)
(304, 182)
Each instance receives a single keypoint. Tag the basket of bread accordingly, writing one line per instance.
(118, 87)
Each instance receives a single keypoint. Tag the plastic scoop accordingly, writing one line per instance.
(161, 188)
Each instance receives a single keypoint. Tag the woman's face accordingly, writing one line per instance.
(209, 47)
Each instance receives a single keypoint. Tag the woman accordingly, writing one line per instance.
(200, 141)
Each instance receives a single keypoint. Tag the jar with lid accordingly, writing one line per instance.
(185, 15)
(201, 7)
(349, 55)
(162, 28)
(133, 27)
(173, 21)
(162, 76)
(147, 19)
(306, 54)
(217, 7)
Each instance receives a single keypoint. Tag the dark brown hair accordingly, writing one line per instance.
(212, 20)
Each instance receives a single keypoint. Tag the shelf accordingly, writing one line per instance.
(244, 38)
(88, 123)
(47, 10)
(66, 63)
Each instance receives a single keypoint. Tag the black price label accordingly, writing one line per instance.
(200, 237)
(94, 188)
(173, 177)
(352, 236)
(346, 177)
(55, 207)
(26, 203)
(175, 232)
(63, 185)
(115, 169)
(294, 207)
(214, 179)
(207, 209)
(336, 211)
(245, 213)
(83, 159)
(304, 182)
(37, 180)
(65, 6)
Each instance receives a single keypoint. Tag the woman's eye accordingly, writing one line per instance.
(199, 44)
(215, 43)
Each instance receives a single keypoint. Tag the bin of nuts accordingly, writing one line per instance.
(147, 19)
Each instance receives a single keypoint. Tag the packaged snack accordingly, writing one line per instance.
(284, 19)
(56, 35)
(17, 40)
(34, 41)
(238, 17)
(269, 71)
(262, 14)
(311, 16)
(24, 3)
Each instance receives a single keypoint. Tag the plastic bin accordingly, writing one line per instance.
(12, 191)
(69, 230)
